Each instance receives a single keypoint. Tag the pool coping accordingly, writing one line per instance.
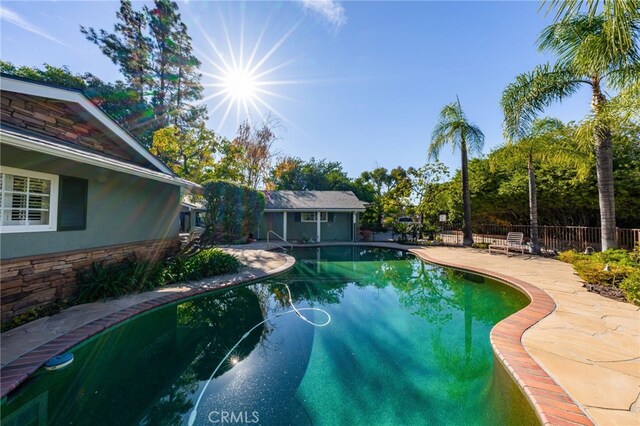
(551, 403)
(19, 370)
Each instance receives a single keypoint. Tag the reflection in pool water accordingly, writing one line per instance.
(408, 344)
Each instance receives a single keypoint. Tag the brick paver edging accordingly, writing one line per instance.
(16, 372)
(551, 403)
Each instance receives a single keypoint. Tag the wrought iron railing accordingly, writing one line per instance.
(552, 238)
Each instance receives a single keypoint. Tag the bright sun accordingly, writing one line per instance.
(243, 82)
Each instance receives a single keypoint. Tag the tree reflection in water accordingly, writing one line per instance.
(151, 369)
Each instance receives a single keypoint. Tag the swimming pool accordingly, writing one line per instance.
(407, 343)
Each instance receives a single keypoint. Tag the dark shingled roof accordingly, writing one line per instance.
(313, 200)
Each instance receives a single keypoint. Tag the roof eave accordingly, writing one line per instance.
(45, 147)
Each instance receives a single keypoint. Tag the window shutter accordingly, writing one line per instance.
(331, 217)
(297, 217)
(72, 206)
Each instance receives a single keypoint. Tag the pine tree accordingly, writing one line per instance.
(153, 50)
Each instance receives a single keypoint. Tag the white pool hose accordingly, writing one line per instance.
(194, 413)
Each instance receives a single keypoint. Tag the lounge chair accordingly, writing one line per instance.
(513, 242)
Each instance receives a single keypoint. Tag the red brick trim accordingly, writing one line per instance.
(550, 401)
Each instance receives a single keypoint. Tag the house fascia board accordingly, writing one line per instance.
(34, 144)
(70, 95)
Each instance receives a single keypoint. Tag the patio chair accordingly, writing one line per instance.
(513, 242)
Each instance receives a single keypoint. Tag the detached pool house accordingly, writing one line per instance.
(306, 216)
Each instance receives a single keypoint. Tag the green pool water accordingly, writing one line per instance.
(408, 343)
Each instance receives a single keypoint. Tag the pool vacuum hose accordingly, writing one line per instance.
(194, 413)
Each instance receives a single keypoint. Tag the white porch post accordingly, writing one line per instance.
(353, 225)
(318, 226)
(284, 225)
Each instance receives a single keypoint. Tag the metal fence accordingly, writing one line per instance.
(552, 238)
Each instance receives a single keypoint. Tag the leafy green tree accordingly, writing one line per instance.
(584, 58)
(189, 154)
(546, 141)
(292, 173)
(153, 50)
(426, 184)
(453, 128)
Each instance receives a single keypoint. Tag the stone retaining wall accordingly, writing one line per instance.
(31, 282)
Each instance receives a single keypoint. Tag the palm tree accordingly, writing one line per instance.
(547, 140)
(619, 17)
(454, 129)
(584, 58)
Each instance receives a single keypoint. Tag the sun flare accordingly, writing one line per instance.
(242, 78)
(240, 84)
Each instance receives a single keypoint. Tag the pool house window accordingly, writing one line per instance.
(28, 200)
(311, 216)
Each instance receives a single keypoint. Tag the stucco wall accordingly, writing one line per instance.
(121, 208)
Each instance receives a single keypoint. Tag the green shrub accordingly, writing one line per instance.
(116, 279)
(102, 281)
(571, 256)
(233, 211)
(631, 287)
(592, 272)
(480, 245)
(205, 263)
(624, 269)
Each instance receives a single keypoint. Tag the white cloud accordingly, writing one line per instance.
(8, 15)
(330, 10)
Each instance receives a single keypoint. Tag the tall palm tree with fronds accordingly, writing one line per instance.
(453, 128)
(619, 16)
(548, 140)
(585, 57)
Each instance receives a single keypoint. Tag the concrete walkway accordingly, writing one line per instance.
(590, 344)
(25, 339)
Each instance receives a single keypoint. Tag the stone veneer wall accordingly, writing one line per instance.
(58, 120)
(31, 282)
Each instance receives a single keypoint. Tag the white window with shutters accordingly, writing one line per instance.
(28, 201)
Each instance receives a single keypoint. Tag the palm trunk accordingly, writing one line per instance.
(533, 208)
(467, 239)
(604, 171)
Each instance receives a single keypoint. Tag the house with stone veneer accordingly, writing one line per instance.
(300, 216)
(75, 189)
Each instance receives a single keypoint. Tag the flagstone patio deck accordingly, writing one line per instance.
(589, 345)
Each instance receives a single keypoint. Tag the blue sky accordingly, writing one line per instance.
(357, 82)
